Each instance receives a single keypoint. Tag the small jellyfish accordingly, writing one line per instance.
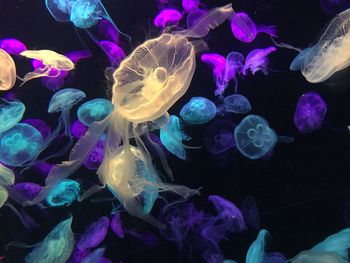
(94, 110)
(218, 63)
(11, 113)
(20, 144)
(237, 104)
(7, 71)
(64, 194)
(190, 5)
(114, 53)
(257, 60)
(77, 55)
(198, 110)
(107, 30)
(7, 177)
(244, 29)
(332, 7)
(26, 190)
(59, 9)
(78, 129)
(218, 136)
(95, 157)
(254, 138)
(40, 125)
(95, 256)
(116, 225)
(167, 17)
(12, 46)
(234, 64)
(94, 235)
(309, 112)
(256, 251)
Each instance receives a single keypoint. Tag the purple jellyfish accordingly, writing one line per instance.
(78, 129)
(25, 190)
(234, 64)
(309, 113)
(12, 46)
(43, 168)
(257, 60)
(166, 17)
(107, 30)
(116, 225)
(78, 55)
(190, 5)
(114, 53)
(218, 64)
(95, 158)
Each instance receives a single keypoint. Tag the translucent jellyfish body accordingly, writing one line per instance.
(64, 194)
(78, 129)
(95, 157)
(40, 125)
(310, 112)
(198, 110)
(116, 225)
(7, 178)
(237, 104)
(11, 112)
(94, 235)
(167, 17)
(12, 46)
(254, 138)
(59, 9)
(329, 55)
(20, 144)
(218, 63)
(234, 64)
(244, 29)
(257, 60)
(114, 53)
(256, 251)
(94, 110)
(7, 71)
(26, 190)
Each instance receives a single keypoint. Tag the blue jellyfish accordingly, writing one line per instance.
(20, 144)
(198, 110)
(94, 110)
(237, 104)
(11, 113)
(59, 9)
(256, 251)
(86, 13)
(64, 194)
(94, 235)
(254, 138)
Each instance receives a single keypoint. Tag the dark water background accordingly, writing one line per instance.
(301, 192)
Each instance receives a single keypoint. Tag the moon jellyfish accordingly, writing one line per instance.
(254, 138)
(12, 46)
(59, 9)
(11, 112)
(95, 157)
(237, 104)
(78, 129)
(332, 7)
(234, 64)
(56, 247)
(114, 53)
(116, 225)
(218, 63)
(3, 195)
(309, 112)
(94, 235)
(40, 125)
(257, 60)
(198, 110)
(94, 110)
(256, 251)
(244, 29)
(20, 144)
(218, 136)
(172, 136)
(64, 194)
(167, 17)
(317, 257)
(7, 71)
(26, 190)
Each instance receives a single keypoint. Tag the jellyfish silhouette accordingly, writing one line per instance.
(94, 110)
(11, 113)
(7, 71)
(198, 110)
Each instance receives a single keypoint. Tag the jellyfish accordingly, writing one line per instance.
(218, 63)
(77, 55)
(237, 104)
(43, 168)
(51, 61)
(332, 7)
(11, 113)
(59, 9)
(234, 64)
(256, 251)
(254, 138)
(167, 17)
(64, 194)
(56, 247)
(12, 46)
(274, 257)
(218, 136)
(317, 257)
(94, 110)
(116, 225)
(309, 112)
(198, 110)
(95, 157)
(114, 53)
(229, 261)
(95, 256)
(20, 144)
(3, 195)
(40, 125)
(78, 129)
(193, 17)
(190, 5)
(7, 178)
(94, 235)
(172, 136)
(257, 60)
(7, 72)
(25, 191)
(250, 213)
(245, 30)
(108, 31)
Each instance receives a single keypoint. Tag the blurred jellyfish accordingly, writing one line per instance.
(218, 136)
(250, 213)
(12, 46)
(56, 247)
(244, 29)
(190, 5)
(198, 110)
(20, 144)
(332, 7)
(193, 17)
(116, 225)
(237, 104)
(94, 110)
(317, 257)
(43, 168)
(167, 17)
(26, 190)
(40, 125)
(108, 31)
(114, 53)
(95, 157)
(95, 256)
(254, 138)
(64, 194)
(77, 55)
(11, 112)
(256, 251)
(7, 71)
(309, 112)
(94, 235)
(257, 60)
(3, 195)
(218, 63)
(78, 129)
(234, 64)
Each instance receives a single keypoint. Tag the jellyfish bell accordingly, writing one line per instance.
(237, 104)
(198, 110)
(7, 71)
(11, 112)
(12, 46)
(94, 110)
(59, 9)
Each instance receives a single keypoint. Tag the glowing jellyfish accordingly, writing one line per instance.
(114, 53)
(64, 194)
(218, 136)
(20, 144)
(332, 7)
(198, 110)
(59, 9)
(12, 46)
(95, 157)
(40, 125)
(51, 60)
(11, 112)
(190, 5)
(26, 190)
(244, 29)
(172, 136)
(254, 138)
(7, 71)
(116, 225)
(108, 31)
(193, 17)
(237, 104)
(234, 64)
(309, 112)
(257, 60)
(95, 234)
(56, 247)
(94, 110)
(317, 257)
(256, 251)
(167, 17)
(218, 63)
(78, 129)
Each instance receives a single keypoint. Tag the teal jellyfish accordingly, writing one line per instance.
(56, 247)
(172, 136)
(64, 194)
(237, 104)
(11, 113)
(198, 110)
(256, 251)
(59, 9)
(94, 110)
(20, 144)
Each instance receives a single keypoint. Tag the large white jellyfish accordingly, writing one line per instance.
(146, 84)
